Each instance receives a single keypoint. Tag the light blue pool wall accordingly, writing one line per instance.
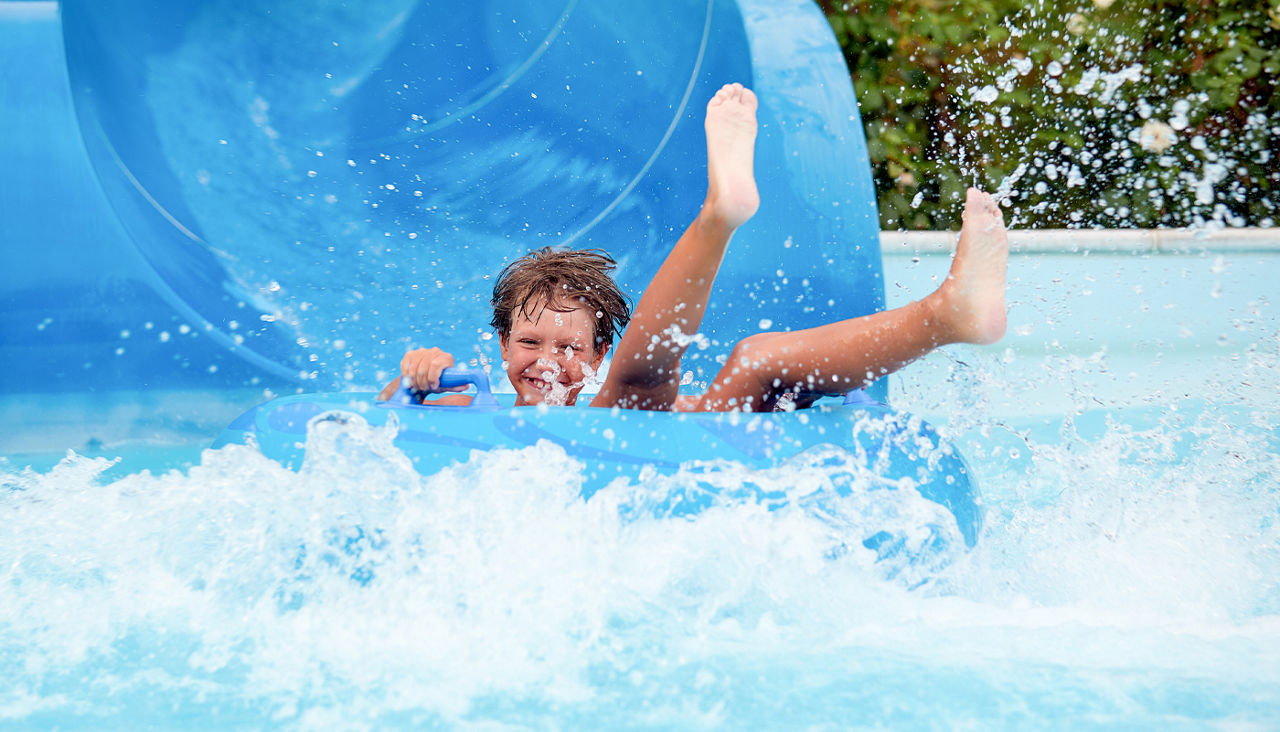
(1104, 331)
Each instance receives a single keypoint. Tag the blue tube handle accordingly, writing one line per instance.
(860, 398)
(450, 378)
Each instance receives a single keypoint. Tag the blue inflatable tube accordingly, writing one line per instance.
(871, 443)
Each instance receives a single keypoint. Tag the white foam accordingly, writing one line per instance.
(356, 587)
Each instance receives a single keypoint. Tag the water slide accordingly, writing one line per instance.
(223, 194)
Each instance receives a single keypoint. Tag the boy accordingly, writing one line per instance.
(556, 313)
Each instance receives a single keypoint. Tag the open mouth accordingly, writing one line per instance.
(545, 385)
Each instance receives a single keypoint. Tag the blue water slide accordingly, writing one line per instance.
(215, 194)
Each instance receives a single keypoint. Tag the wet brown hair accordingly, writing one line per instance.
(559, 278)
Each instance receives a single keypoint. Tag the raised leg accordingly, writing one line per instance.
(645, 371)
(831, 359)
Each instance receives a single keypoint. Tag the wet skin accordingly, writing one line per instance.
(550, 354)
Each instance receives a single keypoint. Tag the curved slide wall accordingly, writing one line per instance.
(223, 193)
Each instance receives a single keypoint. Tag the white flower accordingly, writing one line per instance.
(1076, 24)
(1103, 4)
(1156, 136)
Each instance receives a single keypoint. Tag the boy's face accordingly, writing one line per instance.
(551, 353)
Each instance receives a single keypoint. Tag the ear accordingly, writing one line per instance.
(504, 347)
(599, 359)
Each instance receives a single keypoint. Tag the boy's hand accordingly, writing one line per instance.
(422, 367)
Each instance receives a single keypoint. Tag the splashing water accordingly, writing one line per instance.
(1116, 117)
(1006, 188)
(358, 581)
(1128, 572)
(1127, 575)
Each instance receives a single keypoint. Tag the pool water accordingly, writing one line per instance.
(1125, 435)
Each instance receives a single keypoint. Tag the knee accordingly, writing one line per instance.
(759, 345)
(757, 357)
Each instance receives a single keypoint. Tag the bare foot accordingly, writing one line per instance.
(972, 297)
(732, 197)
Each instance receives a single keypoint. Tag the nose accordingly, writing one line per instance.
(560, 356)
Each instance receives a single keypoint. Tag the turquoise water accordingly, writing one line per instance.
(1126, 435)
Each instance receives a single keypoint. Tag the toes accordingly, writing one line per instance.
(730, 92)
(977, 202)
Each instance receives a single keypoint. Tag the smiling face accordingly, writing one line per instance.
(550, 353)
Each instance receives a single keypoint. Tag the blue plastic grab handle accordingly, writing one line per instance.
(859, 397)
(450, 378)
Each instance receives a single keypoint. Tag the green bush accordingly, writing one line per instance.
(1115, 113)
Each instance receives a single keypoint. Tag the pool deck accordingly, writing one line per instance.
(1064, 241)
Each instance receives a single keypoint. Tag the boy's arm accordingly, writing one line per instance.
(423, 366)
(389, 389)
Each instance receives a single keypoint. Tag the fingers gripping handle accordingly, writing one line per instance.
(450, 378)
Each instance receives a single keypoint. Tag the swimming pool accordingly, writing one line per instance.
(1124, 434)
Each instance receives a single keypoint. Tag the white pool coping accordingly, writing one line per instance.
(1101, 241)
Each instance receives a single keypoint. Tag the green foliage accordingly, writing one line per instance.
(1083, 112)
